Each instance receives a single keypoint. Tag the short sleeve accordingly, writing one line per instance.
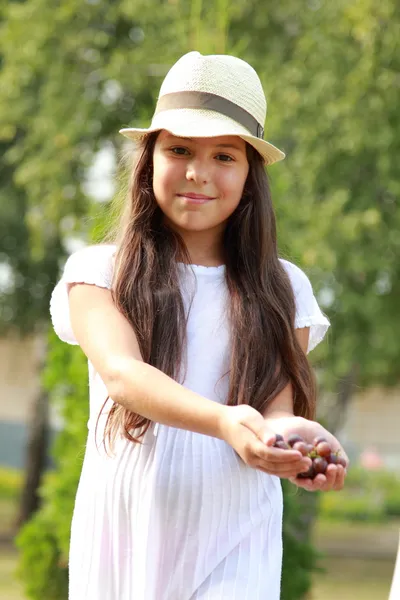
(93, 265)
(308, 313)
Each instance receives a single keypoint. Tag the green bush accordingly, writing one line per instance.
(348, 507)
(392, 502)
(42, 565)
(368, 496)
(44, 541)
(300, 559)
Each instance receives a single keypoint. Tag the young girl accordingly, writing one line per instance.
(196, 336)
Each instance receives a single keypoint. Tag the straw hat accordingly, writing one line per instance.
(209, 96)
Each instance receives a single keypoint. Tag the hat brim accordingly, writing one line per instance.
(204, 123)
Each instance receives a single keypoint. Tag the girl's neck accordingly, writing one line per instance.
(204, 248)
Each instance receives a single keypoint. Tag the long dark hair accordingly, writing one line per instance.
(265, 353)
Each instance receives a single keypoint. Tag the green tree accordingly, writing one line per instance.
(330, 72)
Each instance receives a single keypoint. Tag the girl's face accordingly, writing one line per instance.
(198, 182)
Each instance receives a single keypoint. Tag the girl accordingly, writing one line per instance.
(196, 333)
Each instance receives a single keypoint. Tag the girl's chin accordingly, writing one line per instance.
(189, 226)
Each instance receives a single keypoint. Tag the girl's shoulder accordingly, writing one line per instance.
(91, 264)
(94, 252)
(298, 278)
(308, 312)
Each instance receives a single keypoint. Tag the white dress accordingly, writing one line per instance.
(179, 517)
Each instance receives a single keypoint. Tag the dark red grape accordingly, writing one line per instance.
(310, 474)
(310, 448)
(282, 445)
(278, 437)
(342, 461)
(332, 459)
(320, 464)
(293, 439)
(301, 447)
(318, 440)
(323, 449)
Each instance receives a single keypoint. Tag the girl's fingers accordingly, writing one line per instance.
(283, 463)
(341, 474)
(296, 467)
(332, 480)
(283, 473)
(269, 453)
(335, 475)
(306, 484)
(280, 471)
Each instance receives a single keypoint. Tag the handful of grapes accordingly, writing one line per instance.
(320, 453)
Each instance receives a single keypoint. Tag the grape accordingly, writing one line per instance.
(318, 440)
(310, 474)
(320, 464)
(293, 439)
(323, 449)
(301, 447)
(320, 453)
(281, 444)
(332, 459)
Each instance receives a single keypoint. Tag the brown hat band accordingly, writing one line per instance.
(213, 102)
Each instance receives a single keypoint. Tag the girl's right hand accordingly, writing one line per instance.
(245, 429)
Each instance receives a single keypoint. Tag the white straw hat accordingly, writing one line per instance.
(210, 96)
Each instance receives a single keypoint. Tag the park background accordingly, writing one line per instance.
(73, 73)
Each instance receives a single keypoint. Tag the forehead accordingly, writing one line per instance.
(225, 141)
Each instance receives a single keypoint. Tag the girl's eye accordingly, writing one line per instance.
(179, 150)
(224, 158)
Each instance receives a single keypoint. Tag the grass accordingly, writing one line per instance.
(354, 579)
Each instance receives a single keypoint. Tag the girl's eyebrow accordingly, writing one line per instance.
(229, 146)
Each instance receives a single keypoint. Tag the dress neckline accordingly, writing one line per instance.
(202, 269)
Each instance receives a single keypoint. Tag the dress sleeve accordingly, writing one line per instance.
(93, 265)
(308, 313)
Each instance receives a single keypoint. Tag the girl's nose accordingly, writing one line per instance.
(198, 171)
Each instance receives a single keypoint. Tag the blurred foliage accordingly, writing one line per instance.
(72, 74)
(44, 541)
(372, 496)
(330, 71)
(41, 566)
(300, 558)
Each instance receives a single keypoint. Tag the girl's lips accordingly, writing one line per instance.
(196, 198)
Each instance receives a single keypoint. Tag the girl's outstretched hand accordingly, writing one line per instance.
(334, 477)
(250, 435)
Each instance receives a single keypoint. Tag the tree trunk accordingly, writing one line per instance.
(336, 416)
(36, 451)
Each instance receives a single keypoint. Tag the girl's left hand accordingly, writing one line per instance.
(309, 430)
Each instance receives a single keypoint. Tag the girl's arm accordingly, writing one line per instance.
(282, 404)
(280, 419)
(109, 342)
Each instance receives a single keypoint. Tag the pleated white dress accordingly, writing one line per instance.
(179, 517)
